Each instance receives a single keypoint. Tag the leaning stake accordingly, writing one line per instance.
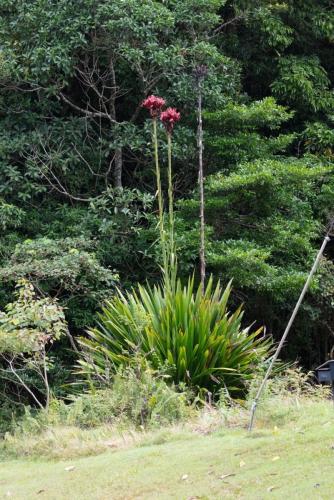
(285, 334)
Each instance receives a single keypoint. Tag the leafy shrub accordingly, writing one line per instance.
(28, 328)
(136, 396)
(192, 332)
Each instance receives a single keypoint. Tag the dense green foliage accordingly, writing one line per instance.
(77, 207)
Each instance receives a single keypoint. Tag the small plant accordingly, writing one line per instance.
(202, 343)
(294, 383)
(28, 327)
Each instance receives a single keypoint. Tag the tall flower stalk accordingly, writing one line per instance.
(169, 118)
(170, 193)
(154, 105)
(160, 198)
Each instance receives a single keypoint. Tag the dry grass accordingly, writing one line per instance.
(56, 442)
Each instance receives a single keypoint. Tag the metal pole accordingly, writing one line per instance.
(287, 329)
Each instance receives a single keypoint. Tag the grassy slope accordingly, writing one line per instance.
(295, 460)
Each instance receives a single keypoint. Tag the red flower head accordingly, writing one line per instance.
(154, 105)
(169, 118)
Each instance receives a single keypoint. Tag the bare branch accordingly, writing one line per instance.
(16, 375)
(93, 114)
(222, 26)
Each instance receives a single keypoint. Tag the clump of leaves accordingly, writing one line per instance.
(191, 331)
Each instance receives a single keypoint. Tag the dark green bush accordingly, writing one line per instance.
(202, 343)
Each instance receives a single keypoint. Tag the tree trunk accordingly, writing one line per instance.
(201, 188)
(118, 167)
(118, 159)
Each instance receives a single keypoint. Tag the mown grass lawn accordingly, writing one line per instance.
(292, 460)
